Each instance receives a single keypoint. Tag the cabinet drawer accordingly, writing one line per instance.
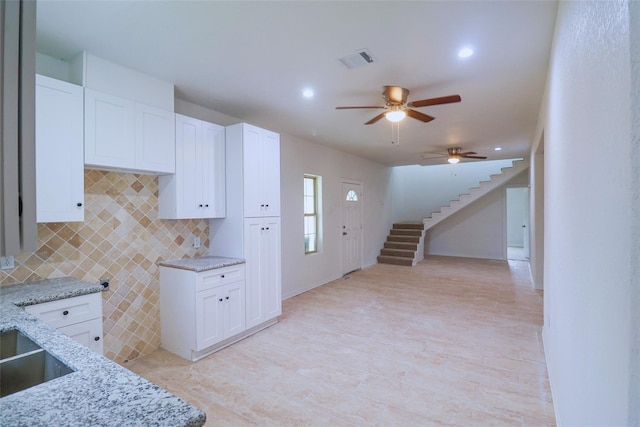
(68, 311)
(219, 276)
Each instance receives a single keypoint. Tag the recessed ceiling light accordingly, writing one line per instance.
(497, 149)
(307, 93)
(465, 52)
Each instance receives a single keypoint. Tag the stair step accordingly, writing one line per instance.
(385, 259)
(412, 239)
(401, 245)
(409, 225)
(407, 232)
(398, 252)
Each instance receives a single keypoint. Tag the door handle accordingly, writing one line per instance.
(344, 233)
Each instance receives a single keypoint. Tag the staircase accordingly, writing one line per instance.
(405, 242)
(475, 193)
(404, 245)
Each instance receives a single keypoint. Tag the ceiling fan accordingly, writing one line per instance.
(395, 102)
(454, 155)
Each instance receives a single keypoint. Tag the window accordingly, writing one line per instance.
(311, 213)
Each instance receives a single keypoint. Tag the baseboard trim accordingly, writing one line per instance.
(550, 375)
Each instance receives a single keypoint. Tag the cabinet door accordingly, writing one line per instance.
(212, 159)
(59, 151)
(109, 131)
(270, 269)
(234, 310)
(253, 197)
(87, 333)
(209, 317)
(188, 182)
(253, 230)
(155, 139)
(262, 256)
(270, 172)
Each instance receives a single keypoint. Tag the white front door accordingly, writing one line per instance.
(351, 227)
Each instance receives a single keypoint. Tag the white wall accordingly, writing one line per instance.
(478, 231)
(302, 272)
(591, 261)
(418, 191)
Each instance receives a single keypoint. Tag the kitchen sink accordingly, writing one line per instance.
(24, 364)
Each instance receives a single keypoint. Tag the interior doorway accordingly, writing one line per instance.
(351, 227)
(518, 223)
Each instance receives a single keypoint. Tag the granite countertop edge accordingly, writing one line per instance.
(99, 392)
(206, 263)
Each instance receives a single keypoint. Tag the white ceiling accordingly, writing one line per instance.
(251, 60)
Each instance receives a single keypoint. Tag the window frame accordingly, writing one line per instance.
(315, 214)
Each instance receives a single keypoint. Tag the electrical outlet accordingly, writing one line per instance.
(196, 242)
(105, 284)
(7, 262)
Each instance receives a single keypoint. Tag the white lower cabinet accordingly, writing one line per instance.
(79, 318)
(219, 314)
(201, 312)
(262, 256)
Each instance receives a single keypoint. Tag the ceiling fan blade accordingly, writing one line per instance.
(468, 152)
(418, 115)
(375, 119)
(350, 108)
(473, 157)
(435, 101)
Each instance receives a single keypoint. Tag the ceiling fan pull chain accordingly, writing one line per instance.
(396, 126)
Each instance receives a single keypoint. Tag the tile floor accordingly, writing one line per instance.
(451, 341)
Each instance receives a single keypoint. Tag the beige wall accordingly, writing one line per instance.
(121, 238)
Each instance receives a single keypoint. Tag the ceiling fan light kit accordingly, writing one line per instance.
(395, 115)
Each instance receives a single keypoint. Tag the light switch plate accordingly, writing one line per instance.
(196, 242)
(7, 262)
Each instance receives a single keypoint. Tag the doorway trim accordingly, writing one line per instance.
(527, 241)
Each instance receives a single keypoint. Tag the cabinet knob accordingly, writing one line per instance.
(226, 297)
(222, 276)
(262, 206)
(206, 206)
(64, 313)
(220, 300)
(96, 339)
(266, 206)
(199, 206)
(79, 204)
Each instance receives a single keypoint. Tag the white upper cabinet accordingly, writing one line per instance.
(261, 169)
(155, 139)
(109, 132)
(59, 148)
(197, 189)
(121, 134)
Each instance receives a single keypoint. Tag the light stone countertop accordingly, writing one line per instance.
(205, 263)
(99, 392)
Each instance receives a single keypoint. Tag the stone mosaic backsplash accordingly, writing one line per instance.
(121, 238)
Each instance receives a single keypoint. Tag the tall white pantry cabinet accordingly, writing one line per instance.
(251, 229)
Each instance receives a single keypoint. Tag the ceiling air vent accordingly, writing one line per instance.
(357, 59)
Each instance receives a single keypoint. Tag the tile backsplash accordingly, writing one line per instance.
(122, 239)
